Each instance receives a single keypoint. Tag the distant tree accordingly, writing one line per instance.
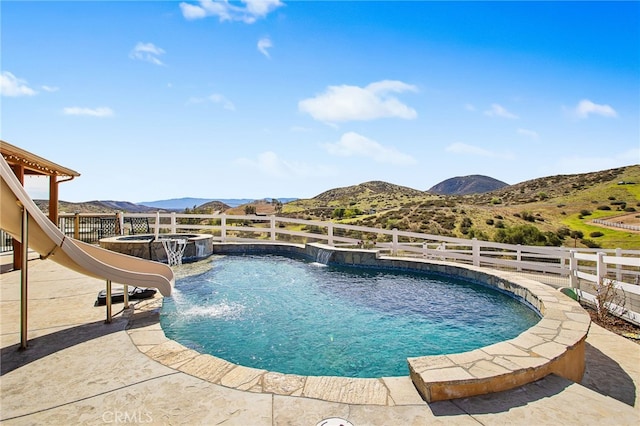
(277, 205)
(576, 235)
(249, 209)
(338, 213)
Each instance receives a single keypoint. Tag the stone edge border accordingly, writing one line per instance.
(556, 344)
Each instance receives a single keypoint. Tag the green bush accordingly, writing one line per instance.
(563, 232)
(629, 209)
(590, 243)
(604, 208)
(596, 234)
(489, 222)
(525, 235)
(585, 212)
(528, 216)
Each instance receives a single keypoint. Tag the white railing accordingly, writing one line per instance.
(580, 269)
(621, 265)
(617, 224)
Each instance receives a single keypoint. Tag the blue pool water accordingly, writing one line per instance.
(297, 317)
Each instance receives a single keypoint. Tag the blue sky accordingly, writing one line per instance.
(268, 98)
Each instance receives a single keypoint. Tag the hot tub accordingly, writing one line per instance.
(146, 246)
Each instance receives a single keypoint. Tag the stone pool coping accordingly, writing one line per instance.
(556, 344)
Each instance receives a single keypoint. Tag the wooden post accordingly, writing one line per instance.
(17, 245)
(76, 226)
(53, 199)
(108, 320)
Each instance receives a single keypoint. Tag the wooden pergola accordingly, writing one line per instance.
(24, 163)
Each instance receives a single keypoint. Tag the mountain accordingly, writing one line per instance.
(176, 203)
(95, 207)
(367, 190)
(463, 185)
(188, 202)
(214, 206)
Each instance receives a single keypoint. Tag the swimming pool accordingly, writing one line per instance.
(292, 316)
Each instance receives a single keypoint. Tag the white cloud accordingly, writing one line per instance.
(225, 11)
(352, 144)
(264, 44)
(95, 112)
(586, 107)
(12, 86)
(215, 98)
(147, 52)
(465, 149)
(529, 133)
(268, 163)
(500, 111)
(50, 88)
(346, 103)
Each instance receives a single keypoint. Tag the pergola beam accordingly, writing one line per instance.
(24, 163)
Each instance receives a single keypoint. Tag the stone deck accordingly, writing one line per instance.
(79, 370)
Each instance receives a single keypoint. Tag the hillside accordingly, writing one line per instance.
(367, 190)
(462, 185)
(96, 207)
(555, 206)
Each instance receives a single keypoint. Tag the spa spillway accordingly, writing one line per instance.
(147, 246)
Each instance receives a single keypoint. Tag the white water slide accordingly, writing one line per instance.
(46, 239)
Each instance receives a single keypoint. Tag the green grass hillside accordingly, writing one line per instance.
(555, 210)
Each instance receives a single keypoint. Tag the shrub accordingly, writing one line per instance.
(585, 212)
(629, 209)
(496, 200)
(500, 224)
(590, 243)
(606, 295)
(596, 234)
(521, 234)
(489, 221)
(611, 197)
(498, 217)
(604, 208)
(563, 231)
(529, 217)
(476, 233)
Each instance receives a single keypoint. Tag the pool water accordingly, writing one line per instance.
(296, 317)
